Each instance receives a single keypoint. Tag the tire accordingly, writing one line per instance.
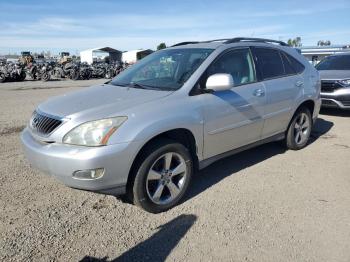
(45, 77)
(299, 129)
(147, 185)
(108, 75)
(22, 76)
(2, 78)
(87, 75)
(74, 75)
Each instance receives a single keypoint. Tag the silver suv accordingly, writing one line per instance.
(178, 110)
(335, 81)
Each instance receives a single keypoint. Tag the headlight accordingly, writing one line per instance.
(94, 133)
(345, 82)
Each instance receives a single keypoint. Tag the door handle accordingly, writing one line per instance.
(299, 83)
(259, 92)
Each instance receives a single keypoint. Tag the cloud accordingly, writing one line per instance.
(44, 26)
(128, 29)
(130, 42)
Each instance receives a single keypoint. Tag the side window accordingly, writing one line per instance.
(288, 68)
(270, 62)
(238, 63)
(298, 67)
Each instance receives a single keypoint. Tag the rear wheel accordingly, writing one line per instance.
(45, 77)
(162, 177)
(299, 130)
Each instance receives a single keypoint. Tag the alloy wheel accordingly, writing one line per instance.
(166, 178)
(301, 129)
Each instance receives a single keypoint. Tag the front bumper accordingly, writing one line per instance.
(340, 98)
(61, 161)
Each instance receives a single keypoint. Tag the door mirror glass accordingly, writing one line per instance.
(219, 82)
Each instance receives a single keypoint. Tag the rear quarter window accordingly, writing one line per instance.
(288, 68)
(298, 67)
(269, 62)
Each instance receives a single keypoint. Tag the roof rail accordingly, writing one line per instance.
(234, 40)
(216, 40)
(197, 42)
(186, 43)
(250, 39)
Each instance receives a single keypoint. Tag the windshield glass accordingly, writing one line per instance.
(339, 62)
(167, 69)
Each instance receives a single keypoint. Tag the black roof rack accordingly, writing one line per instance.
(186, 43)
(198, 42)
(235, 40)
(250, 39)
(215, 40)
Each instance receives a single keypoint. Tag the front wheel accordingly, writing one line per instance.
(2, 78)
(74, 74)
(22, 76)
(299, 129)
(162, 177)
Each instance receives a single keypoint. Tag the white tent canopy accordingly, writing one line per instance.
(133, 56)
(91, 55)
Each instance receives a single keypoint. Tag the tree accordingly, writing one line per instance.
(323, 43)
(296, 42)
(161, 46)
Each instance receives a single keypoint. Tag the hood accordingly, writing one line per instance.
(334, 74)
(99, 101)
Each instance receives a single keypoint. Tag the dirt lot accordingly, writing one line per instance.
(265, 204)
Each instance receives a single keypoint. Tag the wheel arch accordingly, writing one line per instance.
(182, 135)
(309, 104)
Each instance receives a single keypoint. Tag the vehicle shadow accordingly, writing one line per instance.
(158, 246)
(320, 128)
(223, 168)
(335, 112)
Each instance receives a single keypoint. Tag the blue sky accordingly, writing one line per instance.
(76, 25)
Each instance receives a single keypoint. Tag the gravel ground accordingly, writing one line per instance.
(265, 204)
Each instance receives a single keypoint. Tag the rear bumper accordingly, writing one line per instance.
(337, 99)
(61, 161)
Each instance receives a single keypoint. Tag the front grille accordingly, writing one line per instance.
(329, 86)
(44, 124)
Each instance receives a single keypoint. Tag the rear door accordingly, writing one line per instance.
(282, 86)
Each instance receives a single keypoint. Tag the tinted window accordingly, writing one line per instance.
(237, 63)
(339, 62)
(270, 62)
(288, 69)
(298, 67)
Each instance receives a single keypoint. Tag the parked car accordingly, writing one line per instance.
(178, 110)
(335, 81)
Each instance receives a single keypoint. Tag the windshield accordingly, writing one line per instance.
(167, 69)
(339, 62)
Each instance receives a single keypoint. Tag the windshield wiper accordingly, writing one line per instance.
(137, 85)
(119, 84)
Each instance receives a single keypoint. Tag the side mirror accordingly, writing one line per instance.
(219, 82)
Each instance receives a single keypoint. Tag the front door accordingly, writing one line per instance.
(235, 117)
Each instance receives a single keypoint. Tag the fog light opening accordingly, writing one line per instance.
(89, 174)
